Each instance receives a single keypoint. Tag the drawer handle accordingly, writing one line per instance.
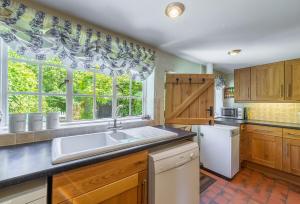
(287, 146)
(144, 200)
(281, 90)
(290, 90)
(265, 131)
(248, 93)
(295, 135)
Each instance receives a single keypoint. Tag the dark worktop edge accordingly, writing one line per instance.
(54, 169)
(234, 122)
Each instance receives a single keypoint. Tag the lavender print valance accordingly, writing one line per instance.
(41, 36)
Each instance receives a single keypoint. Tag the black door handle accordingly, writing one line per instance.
(211, 111)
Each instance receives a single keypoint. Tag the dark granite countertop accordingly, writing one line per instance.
(30, 161)
(234, 122)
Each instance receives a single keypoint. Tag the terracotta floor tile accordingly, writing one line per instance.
(293, 197)
(204, 199)
(210, 194)
(280, 191)
(250, 201)
(250, 187)
(221, 200)
(275, 200)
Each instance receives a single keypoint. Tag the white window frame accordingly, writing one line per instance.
(69, 90)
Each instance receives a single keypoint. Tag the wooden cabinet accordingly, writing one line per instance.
(244, 144)
(291, 149)
(267, 82)
(242, 84)
(123, 191)
(276, 82)
(121, 180)
(272, 147)
(265, 145)
(292, 80)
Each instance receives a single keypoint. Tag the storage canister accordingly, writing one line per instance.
(17, 122)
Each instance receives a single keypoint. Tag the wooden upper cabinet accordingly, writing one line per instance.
(242, 84)
(292, 80)
(267, 82)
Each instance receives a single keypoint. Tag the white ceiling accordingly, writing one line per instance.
(266, 30)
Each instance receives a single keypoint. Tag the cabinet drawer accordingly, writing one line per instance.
(70, 184)
(291, 134)
(109, 191)
(265, 130)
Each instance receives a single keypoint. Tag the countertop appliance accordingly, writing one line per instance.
(174, 175)
(219, 149)
(235, 113)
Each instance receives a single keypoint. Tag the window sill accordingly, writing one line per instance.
(88, 123)
(100, 121)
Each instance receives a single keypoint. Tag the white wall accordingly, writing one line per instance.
(155, 83)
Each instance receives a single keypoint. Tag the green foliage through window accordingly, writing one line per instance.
(32, 83)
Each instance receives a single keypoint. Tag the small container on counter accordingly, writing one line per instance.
(35, 121)
(52, 120)
(17, 122)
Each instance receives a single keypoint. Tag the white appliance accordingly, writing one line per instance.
(174, 175)
(219, 149)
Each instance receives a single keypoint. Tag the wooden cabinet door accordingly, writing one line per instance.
(242, 84)
(267, 82)
(266, 150)
(189, 99)
(143, 187)
(124, 191)
(291, 151)
(292, 80)
(88, 181)
(244, 144)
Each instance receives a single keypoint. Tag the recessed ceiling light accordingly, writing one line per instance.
(234, 52)
(174, 9)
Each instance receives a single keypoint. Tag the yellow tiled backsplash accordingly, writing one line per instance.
(277, 112)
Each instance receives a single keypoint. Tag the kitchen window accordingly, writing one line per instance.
(46, 86)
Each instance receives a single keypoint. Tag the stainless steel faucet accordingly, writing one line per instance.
(115, 114)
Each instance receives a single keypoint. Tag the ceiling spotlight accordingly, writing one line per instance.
(234, 52)
(174, 9)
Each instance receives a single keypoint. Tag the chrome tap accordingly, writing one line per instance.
(115, 114)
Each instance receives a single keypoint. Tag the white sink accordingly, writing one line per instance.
(80, 146)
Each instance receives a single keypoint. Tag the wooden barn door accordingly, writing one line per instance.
(189, 99)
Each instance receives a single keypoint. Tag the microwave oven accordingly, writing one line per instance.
(235, 113)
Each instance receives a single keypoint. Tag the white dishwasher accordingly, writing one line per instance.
(174, 175)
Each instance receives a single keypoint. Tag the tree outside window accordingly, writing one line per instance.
(43, 87)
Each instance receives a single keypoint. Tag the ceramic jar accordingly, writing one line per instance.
(52, 120)
(17, 122)
(35, 121)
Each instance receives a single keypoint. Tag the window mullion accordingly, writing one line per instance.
(130, 94)
(40, 88)
(94, 97)
(69, 98)
(4, 81)
(144, 98)
(114, 97)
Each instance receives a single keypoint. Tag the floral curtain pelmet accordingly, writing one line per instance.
(42, 36)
